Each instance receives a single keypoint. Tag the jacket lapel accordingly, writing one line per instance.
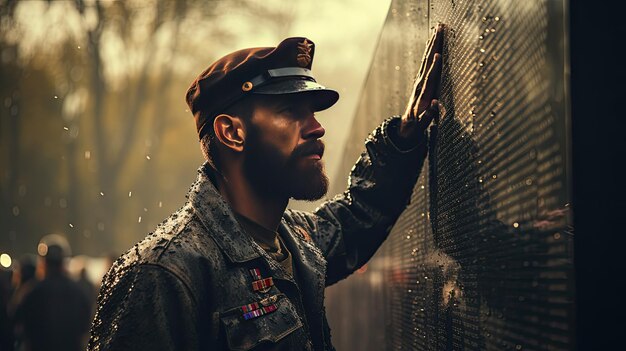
(219, 220)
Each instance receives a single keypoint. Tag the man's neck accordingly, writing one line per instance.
(265, 210)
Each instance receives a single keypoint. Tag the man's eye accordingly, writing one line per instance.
(288, 110)
(294, 111)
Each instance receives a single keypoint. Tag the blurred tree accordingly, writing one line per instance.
(110, 78)
(9, 131)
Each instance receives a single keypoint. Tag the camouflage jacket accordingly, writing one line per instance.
(189, 285)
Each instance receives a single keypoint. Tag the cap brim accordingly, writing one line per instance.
(323, 97)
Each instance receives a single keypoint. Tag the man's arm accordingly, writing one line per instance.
(350, 228)
(145, 308)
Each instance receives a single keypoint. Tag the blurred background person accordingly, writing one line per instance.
(55, 313)
(23, 279)
(6, 338)
(88, 288)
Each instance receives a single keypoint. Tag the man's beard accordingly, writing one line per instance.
(272, 174)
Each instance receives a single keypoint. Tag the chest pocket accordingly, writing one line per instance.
(242, 334)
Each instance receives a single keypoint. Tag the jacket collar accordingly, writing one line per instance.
(221, 224)
(219, 220)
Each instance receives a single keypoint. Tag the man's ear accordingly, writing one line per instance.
(230, 131)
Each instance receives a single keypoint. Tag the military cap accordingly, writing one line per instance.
(285, 69)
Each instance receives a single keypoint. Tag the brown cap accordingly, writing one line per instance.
(285, 69)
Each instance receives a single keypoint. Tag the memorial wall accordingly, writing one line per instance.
(482, 259)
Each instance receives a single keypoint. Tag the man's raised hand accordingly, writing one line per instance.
(423, 105)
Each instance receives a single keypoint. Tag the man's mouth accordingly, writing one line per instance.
(314, 151)
(314, 157)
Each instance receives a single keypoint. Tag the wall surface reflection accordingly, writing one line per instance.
(482, 258)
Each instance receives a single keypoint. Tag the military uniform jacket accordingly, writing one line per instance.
(188, 285)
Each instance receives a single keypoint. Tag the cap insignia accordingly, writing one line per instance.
(304, 53)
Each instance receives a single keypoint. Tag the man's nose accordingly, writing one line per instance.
(313, 129)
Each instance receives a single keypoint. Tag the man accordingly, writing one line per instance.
(233, 269)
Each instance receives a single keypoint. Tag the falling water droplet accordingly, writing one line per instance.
(101, 193)
(66, 128)
(56, 97)
(515, 225)
(160, 204)
(147, 157)
(130, 193)
(139, 220)
(71, 225)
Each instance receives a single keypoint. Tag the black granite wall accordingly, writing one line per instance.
(482, 259)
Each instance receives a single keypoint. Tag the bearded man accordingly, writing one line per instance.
(233, 269)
